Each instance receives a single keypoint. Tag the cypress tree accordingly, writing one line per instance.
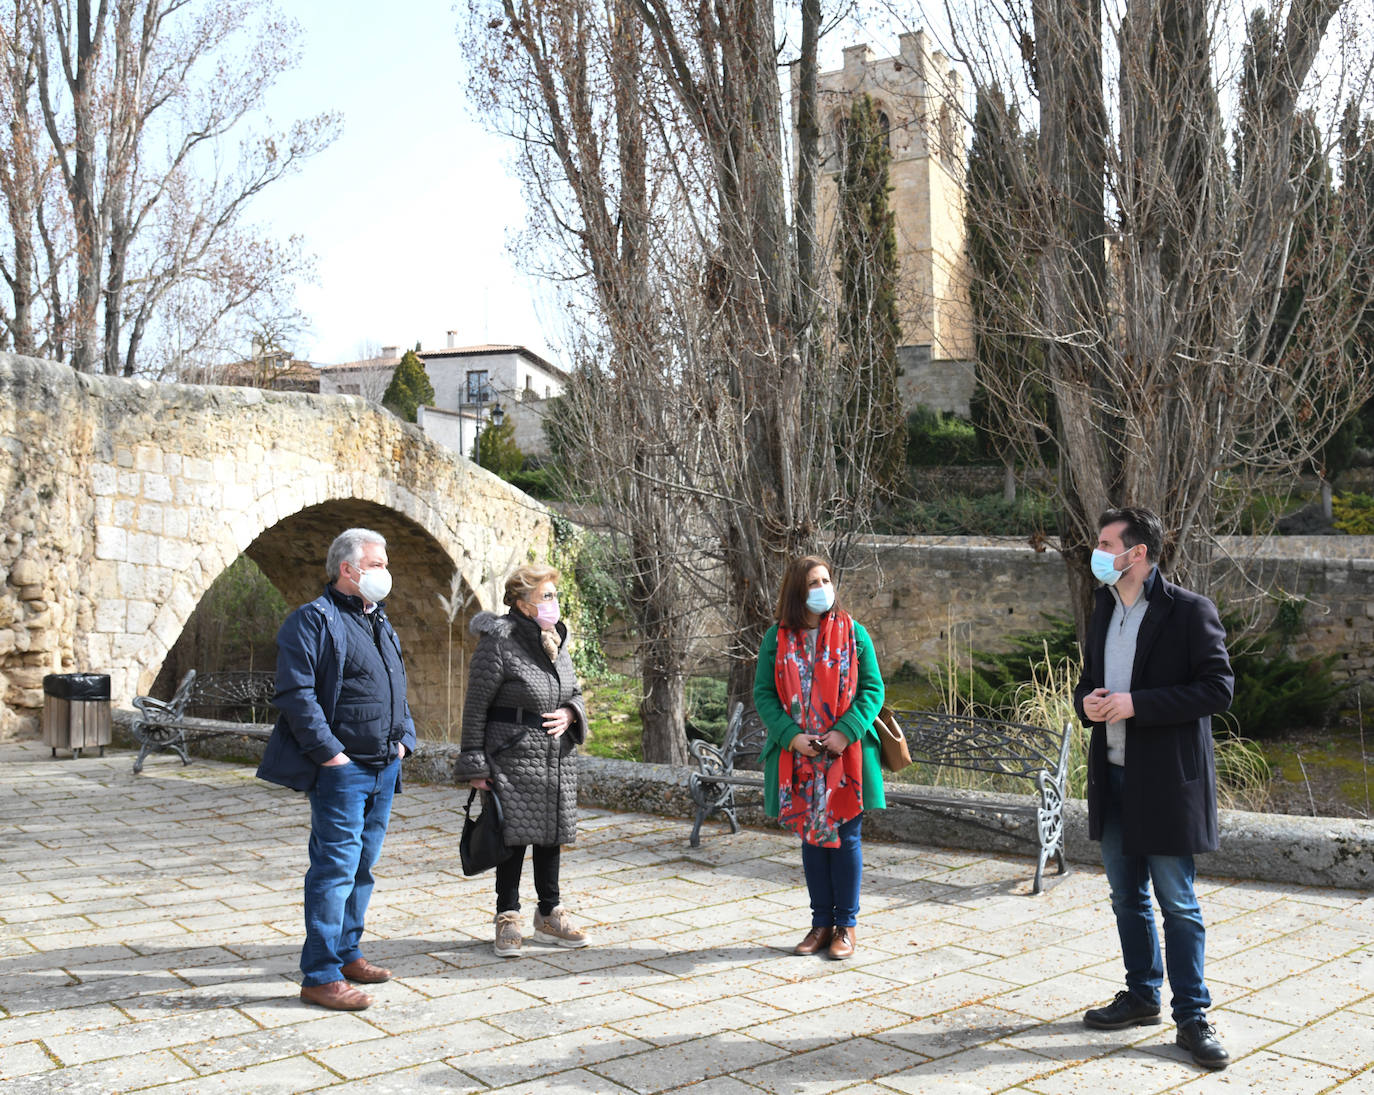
(497, 450)
(868, 325)
(409, 389)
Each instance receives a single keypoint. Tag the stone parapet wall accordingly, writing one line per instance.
(926, 599)
(1336, 852)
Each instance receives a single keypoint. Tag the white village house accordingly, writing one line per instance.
(473, 386)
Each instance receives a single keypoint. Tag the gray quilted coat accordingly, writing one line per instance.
(535, 775)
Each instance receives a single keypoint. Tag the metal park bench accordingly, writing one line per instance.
(1014, 751)
(237, 702)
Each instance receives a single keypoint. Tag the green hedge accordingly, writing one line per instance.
(934, 439)
(962, 515)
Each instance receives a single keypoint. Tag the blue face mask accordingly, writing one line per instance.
(820, 599)
(1104, 566)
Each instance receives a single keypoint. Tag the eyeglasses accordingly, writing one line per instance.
(546, 597)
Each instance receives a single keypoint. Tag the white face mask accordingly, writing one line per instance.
(374, 584)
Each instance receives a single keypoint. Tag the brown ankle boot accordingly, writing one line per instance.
(817, 939)
(842, 943)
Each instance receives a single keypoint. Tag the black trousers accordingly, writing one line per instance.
(545, 878)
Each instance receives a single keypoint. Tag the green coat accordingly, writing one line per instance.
(856, 724)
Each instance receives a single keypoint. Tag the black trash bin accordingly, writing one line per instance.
(76, 711)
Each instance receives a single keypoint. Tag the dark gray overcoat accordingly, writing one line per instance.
(1180, 679)
(534, 774)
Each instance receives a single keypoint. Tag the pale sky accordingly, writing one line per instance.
(410, 211)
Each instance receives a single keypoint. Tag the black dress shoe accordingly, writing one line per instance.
(1199, 1038)
(1127, 1010)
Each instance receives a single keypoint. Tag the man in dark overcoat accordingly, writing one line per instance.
(1155, 671)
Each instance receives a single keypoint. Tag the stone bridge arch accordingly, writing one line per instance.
(123, 500)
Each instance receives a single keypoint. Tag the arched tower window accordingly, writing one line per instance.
(947, 149)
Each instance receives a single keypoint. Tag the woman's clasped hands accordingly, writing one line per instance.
(812, 745)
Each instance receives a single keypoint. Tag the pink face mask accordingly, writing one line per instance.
(546, 612)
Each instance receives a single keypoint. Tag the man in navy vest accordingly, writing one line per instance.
(1155, 671)
(344, 727)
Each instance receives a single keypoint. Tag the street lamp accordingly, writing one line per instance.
(497, 416)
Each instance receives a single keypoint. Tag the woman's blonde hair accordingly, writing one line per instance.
(526, 579)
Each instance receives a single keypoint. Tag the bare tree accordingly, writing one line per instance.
(705, 406)
(720, 63)
(1157, 263)
(33, 250)
(568, 79)
(136, 102)
(371, 371)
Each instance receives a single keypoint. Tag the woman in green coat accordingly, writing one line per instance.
(818, 691)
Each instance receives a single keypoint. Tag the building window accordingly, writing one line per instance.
(479, 391)
(885, 128)
(350, 389)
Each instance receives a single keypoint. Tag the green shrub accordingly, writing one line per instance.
(495, 449)
(543, 483)
(990, 682)
(962, 515)
(1274, 691)
(591, 591)
(1353, 513)
(708, 708)
(934, 439)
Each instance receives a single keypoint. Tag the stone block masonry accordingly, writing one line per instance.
(927, 599)
(123, 500)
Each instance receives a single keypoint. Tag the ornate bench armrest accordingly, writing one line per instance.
(708, 757)
(154, 711)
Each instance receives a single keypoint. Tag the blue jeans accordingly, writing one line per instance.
(832, 878)
(349, 809)
(1129, 877)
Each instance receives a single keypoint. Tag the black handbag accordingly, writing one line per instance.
(483, 844)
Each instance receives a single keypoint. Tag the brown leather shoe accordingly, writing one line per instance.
(817, 939)
(842, 943)
(365, 973)
(337, 996)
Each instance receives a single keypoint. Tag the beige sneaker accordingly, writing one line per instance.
(508, 934)
(557, 929)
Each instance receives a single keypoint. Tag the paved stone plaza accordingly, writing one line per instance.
(150, 926)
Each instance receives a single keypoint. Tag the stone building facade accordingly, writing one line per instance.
(919, 97)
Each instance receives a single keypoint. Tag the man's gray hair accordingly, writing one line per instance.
(348, 548)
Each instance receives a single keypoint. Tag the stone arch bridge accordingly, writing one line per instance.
(121, 501)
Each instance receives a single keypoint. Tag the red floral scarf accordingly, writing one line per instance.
(816, 794)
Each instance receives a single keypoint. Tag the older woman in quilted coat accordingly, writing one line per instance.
(522, 720)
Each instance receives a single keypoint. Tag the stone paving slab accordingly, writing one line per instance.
(150, 930)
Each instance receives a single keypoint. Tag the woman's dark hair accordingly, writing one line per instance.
(791, 608)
